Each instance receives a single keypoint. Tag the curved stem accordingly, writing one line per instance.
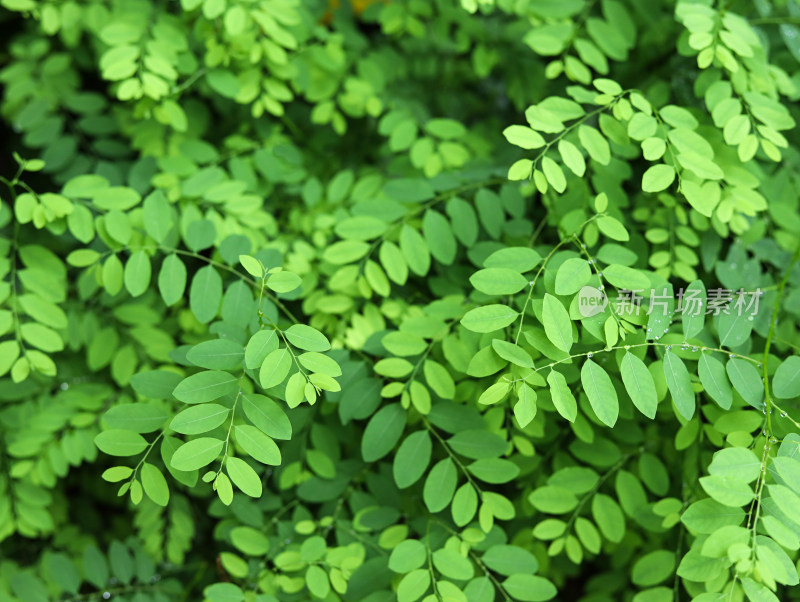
(633, 346)
(452, 455)
(768, 403)
(251, 281)
(589, 494)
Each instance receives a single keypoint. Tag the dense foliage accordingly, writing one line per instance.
(402, 299)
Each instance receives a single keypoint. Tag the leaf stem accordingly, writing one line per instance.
(452, 455)
(768, 403)
(633, 346)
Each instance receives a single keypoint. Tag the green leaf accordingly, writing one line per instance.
(393, 262)
(223, 82)
(600, 391)
(205, 294)
(613, 228)
(595, 144)
(63, 571)
(786, 382)
(275, 368)
(154, 484)
(572, 157)
(415, 250)
(524, 137)
(496, 393)
(224, 592)
(82, 258)
(205, 386)
(439, 235)
(42, 337)
(529, 588)
(260, 344)
(452, 564)
(639, 384)
(498, 281)
(704, 199)
(137, 273)
(706, 516)
(653, 149)
(439, 379)
(112, 275)
(137, 417)
(172, 279)
(243, 476)
(679, 384)
(693, 309)
(489, 318)
(9, 352)
(307, 338)
(788, 469)
(251, 265)
(117, 473)
(248, 540)
(317, 362)
(382, 432)
(714, 381)
(520, 170)
(218, 354)
(118, 226)
(557, 325)
(266, 415)
(408, 556)
(196, 453)
(572, 275)
(413, 585)
(157, 216)
(653, 568)
(736, 462)
(562, 397)
(199, 419)
(49, 313)
(222, 485)
(257, 444)
(746, 380)
(119, 442)
(477, 444)
(465, 504)
(588, 535)
(609, 517)
(787, 501)
(728, 491)
(155, 384)
(317, 582)
(345, 251)
(756, 592)
(361, 227)
(696, 567)
(554, 174)
(283, 282)
(625, 278)
(510, 559)
(519, 259)
(734, 328)
(464, 220)
(525, 408)
(658, 178)
(412, 459)
(440, 485)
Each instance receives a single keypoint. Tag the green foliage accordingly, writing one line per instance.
(307, 300)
